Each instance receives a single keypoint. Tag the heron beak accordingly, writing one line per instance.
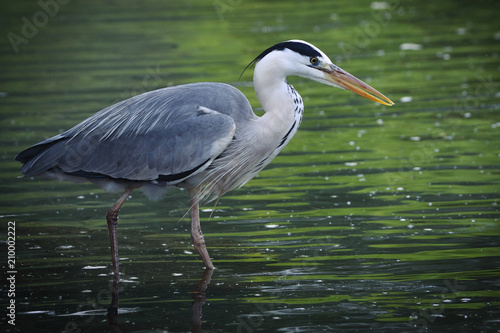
(341, 78)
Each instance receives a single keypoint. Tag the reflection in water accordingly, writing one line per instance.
(199, 298)
(113, 307)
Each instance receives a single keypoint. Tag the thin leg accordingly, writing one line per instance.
(112, 218)
(196, 234)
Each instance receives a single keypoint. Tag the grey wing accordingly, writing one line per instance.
(161, 135)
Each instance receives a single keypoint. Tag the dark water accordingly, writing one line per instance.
(373, 218)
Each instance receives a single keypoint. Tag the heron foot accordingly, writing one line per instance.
(196, 234)
(199, 244)
(112, 220)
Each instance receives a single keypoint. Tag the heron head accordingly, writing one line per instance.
(297, 57)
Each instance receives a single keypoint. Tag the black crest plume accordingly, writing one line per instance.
(295, 46)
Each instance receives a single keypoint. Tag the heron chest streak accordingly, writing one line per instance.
(298, 112)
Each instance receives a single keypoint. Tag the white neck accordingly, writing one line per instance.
(275, 97)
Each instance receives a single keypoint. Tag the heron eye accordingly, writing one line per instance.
(314, 60)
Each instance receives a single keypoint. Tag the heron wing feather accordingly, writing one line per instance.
(163, 133)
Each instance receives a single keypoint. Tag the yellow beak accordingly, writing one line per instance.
(341, 78)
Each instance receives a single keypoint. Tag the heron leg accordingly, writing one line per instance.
(196, 234)
(112, 219)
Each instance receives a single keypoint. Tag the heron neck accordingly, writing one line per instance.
(278, 99)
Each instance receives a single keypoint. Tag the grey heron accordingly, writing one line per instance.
(203, 137)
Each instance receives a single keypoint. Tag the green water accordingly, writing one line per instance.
(373, 218)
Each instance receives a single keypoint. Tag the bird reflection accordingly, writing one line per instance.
(199, 299)
(113, 307)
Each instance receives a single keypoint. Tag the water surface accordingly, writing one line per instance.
(373, 218)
